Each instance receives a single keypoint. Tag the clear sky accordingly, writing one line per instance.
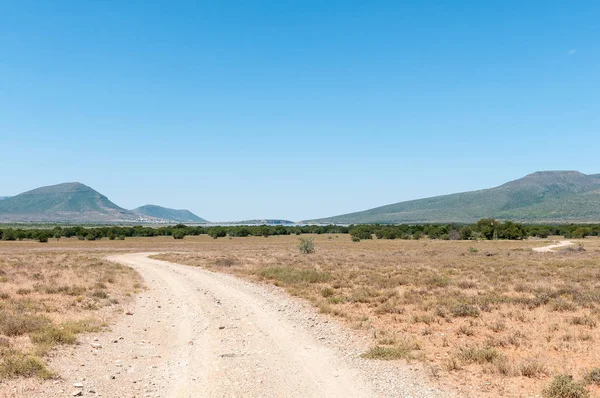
(294, 109)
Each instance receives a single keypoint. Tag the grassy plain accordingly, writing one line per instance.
(493, 318)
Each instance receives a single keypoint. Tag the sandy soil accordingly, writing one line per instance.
(550, 248)
(195, 333)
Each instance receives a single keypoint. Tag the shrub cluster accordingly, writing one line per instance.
(487, 229)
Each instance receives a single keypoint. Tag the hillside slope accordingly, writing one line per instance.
(546, 196)
(68, 202)
(168, 214)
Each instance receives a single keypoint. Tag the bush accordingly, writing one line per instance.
(43, 236)
(178, 233)
(217, 232)
(465, 310)
(53, 336)
(564, 386)
(290, 275)
(362, 232)
(480, 355)
(16, 325)
(593, 377)
(19, 365)
(401, 350)
(306, 246)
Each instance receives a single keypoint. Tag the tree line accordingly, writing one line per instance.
(486, 229)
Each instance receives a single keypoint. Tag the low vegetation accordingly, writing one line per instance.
(563, 386)
(494, 316)
(490, 317)
(306, 246)
(485, 229)
(48, 298)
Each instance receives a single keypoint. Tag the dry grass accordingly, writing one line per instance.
(497, 317)
(50, 297)
(493, 318)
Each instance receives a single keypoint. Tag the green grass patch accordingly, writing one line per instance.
(480, 355)
(15, 364)
(563, 386)
(53, 336)
(291, 275)
(401, 350)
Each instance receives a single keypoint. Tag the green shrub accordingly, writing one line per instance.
(15, 365)
(306, 246)
(480, 355)
(401, 350)
(53, 336)
(290, 275)
(564, 386)
(465, 310)
(593, 377)
(178, 233)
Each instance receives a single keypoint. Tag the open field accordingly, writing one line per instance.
(492, 318)
(48, 298)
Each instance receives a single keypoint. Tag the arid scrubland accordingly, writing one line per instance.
(492, 318)
(48, 297)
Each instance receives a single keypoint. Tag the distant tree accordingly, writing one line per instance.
(465, 233)
(362, 232)
(487, 228)
(178, 233)
(10, 234)
(43, 236)
(217, 232)
(581, 233)
(263, 230)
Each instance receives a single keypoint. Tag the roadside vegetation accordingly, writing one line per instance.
(48, 298)
(492, 317)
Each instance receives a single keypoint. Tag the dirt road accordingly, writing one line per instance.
(550, 248)
(195, 333)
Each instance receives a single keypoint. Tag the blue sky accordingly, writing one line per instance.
(294, 109)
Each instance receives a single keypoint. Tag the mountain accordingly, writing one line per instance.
(4, 197)
(68, 202)
(266, 221)
(544, 196)
(168, 214)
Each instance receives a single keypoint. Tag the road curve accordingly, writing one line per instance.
(235, 338)
(229, 342)
(550, 248)
(197, 333)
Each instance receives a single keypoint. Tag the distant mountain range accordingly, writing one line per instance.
(267, 221)
(4, 197)
(76, 203)
(545, 196)
(168, 214)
